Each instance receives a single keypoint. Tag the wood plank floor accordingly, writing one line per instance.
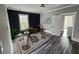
(62, 46)
(71, 47)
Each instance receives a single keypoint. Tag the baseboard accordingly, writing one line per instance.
(53, 34)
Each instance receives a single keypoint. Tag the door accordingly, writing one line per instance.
(56, 25)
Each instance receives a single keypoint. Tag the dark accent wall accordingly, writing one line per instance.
(34, 20)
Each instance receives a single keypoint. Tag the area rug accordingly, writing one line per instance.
(34, 41)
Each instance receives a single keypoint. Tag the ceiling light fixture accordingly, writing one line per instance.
(43, 5)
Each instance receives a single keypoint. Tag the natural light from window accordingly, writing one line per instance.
(23, 19)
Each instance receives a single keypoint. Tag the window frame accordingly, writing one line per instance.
(26, 21)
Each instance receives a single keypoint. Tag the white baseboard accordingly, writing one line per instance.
(52, 33)
(48, 31)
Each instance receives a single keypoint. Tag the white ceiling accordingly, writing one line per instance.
(35, 8)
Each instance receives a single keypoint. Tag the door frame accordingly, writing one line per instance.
(74, 20)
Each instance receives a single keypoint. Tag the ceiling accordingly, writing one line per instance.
(35, 8)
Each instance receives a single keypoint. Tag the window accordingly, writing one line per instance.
(23, 21)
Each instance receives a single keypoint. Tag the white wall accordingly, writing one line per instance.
(5, 35)
(66, 10)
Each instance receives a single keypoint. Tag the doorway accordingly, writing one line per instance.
(68, 25)
(68, 28)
